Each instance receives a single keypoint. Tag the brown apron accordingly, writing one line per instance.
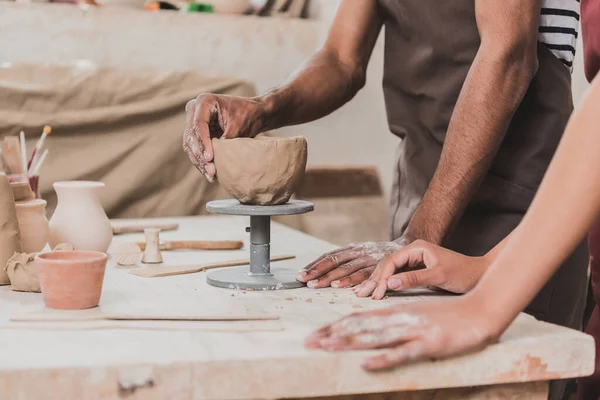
(429, 48)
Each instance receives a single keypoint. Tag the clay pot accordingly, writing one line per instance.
(71, 280)
(22, 191)
(79, 218)
(260, 171)
(33, 225)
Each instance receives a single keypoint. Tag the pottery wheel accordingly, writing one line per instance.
(260, 276)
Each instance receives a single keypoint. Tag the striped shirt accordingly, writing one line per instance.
(559, 26)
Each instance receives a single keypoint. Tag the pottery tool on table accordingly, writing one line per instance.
(11, 150)
(260, 276)
(185, 310)
(197, 245)
(123, 228)
(165, 270)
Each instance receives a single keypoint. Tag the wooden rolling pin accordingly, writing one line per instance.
(137, 228)
(197, 245)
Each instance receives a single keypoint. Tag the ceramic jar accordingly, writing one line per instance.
(79, 217)
(33, 225)
(71, 280)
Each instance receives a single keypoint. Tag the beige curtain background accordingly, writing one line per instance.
(121, 127)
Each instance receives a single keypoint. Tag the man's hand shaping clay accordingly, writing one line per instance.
(348, 266)
(217, 116)
(422, 264)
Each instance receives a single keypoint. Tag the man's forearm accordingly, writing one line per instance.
(322, 85)
(333, 75)
(492, 91)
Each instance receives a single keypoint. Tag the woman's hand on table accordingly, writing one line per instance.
(218, 116)
(422, 264)
(347, 266)
(411, 332)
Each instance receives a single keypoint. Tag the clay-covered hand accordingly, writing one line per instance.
(218, 116)
(422, 264)
(411, 332)
(348, 266)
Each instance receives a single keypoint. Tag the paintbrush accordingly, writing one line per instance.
(12, 154)
(36, 169)
(23, 147)
(38, 148)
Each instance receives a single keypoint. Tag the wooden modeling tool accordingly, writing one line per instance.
(164, 270)
(137, 228)
(152, 251)
(11, 150)
(197, 245)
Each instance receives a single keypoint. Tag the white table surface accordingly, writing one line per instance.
(208, 362)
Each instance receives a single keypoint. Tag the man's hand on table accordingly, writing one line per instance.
(411, 332)
(423, 264)
(348, 266)
(218, 116)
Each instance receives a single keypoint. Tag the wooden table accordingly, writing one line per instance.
(205, 363)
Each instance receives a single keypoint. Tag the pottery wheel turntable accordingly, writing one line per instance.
(260, 276)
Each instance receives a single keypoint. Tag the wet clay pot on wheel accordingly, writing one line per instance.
(260, 171)
(71, 280)
(79, 217)
(33, 225)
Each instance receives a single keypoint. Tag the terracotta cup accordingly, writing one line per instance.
(71, 280)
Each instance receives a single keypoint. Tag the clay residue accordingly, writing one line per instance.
(526, 369)
(23, 273)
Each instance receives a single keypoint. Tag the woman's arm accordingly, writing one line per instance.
(564, 208)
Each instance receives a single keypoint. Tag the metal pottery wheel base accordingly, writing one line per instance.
(240, 278)
(259, 276)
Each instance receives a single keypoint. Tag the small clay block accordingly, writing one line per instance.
(260, 171)
(152, 254)
(23, 273)
(128, 254)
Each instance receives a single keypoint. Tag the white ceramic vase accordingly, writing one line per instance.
(33, 225)
(79, 218)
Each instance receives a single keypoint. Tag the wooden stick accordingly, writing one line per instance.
(23, 146)
(197, 245)
(137, 228)
(12, 154)
(164, 270)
